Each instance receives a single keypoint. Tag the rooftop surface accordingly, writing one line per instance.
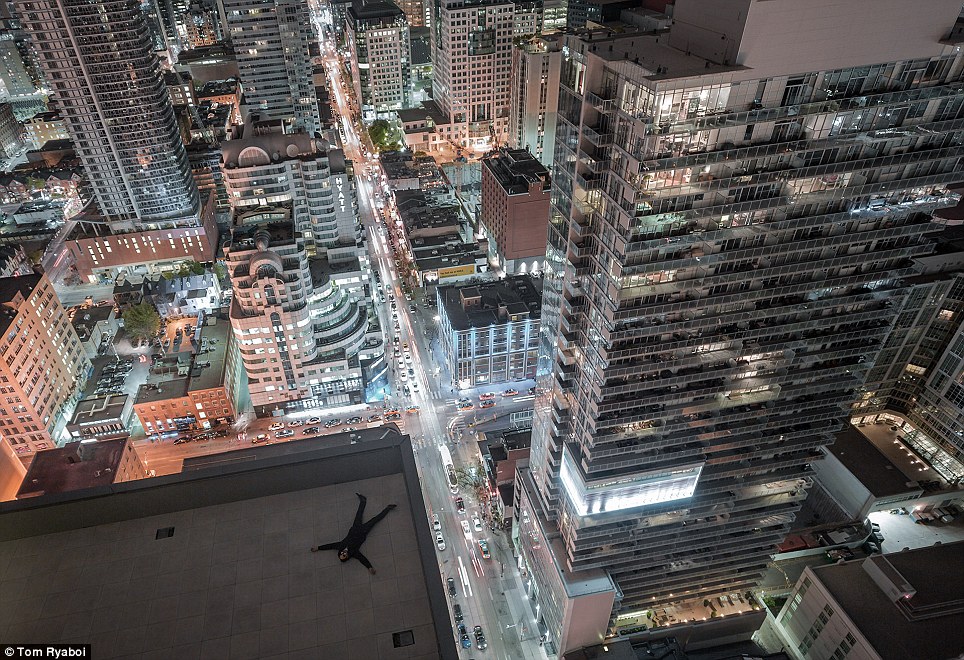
(516, 170)
(215, 562)
(873, 469)
(75, 466)
(937, 574)
(517, 295)
(99, 408)
(10, 289)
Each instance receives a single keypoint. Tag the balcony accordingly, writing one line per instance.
(597, 138)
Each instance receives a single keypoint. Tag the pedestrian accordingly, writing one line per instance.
(350, 546)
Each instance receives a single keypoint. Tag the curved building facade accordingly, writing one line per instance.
(99, 61)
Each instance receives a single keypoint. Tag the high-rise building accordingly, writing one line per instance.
(106, 83)
(43, 366)
(263, 168)
(172, 16)
(11, 132)
(14, 78)
(471, 65)
(514, 210)
(527, 20)
(204, 23)
(534, 97)
(378, 40)
(918, 377)
(270, 40)
(415, 12)
(298, 333)
(733, 216)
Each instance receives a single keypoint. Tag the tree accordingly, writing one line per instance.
(378, 132)
(472, 478)
(142, 321)
(195, 268)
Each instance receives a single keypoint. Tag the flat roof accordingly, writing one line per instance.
(215, 562)
(935, 572)
(868, 464)
(75, 466)
(96, 409)
(517, 294)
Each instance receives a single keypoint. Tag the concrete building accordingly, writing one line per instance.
(134, 191)
(43, 367)
(490, 332)
(189, 295)
(44, 127)
(94, 325)
(416, 12)
(14, 77)
(270, 40)
(101, 418)
(81, 466)
(726, 256)
(896, 606)
(11, 133)
(299, 335)
(378, 41)
(527, 20)
(515, 210)
(265, 167)
(534, 97)
(187, 392)
(207, 63)
(471, 60)
(205, 23)
(915, 381)
(280, 502)
(12, 471)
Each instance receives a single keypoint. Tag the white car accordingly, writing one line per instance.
(403, 376)
(277, 426)
(436, 523)
(477, 523)
(466, 529)
(408, 357)
(414, 385)
(439, 541)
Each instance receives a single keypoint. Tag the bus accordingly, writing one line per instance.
(449, 468)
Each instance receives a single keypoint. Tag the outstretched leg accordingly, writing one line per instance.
(374, 521)
(360, 513)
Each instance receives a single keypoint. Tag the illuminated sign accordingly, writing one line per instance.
(339, 184)
(456, 271)
(626, 492)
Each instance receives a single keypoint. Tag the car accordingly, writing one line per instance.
(405, 346)
(285, 433)
(406, 389)
(466, 529)
(412, 410)
(388, 287)
(411, 308)
(408, 357)
(349, 429)
(295, 423)
(313, 420)
(436, 523)
(261, 437)
(391, 417)
(485, 396)
(353, 420)
(510, 393)
(331, 423)
(415, 385)
(460, 504)
(484, 549)
(457, 612)
(487, 404)
(411, 372)
(311, 430)
(465, 400)
(465, 406)
(277, 426)
(374, 418)
(403, 377)
(464, 639)
(480, 642)
(450, 583)
(439, 541)
(477, 523)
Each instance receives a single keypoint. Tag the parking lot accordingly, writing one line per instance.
(177, 334)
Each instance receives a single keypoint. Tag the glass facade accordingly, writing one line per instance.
(99, 63)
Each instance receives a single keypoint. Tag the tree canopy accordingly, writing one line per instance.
(142, 321)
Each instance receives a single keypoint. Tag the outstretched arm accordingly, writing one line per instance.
(329, 546)
(364, 562)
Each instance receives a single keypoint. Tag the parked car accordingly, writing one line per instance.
(331, 423)
(480, 642)
(295, 423)
(313, 420)
(311, 430)
(439, 541)
(277, 426)
(436, 523)
(284, 433)
(460, 505)
(450, 583)
(261, 437)
(457, 611)
(353, 420)
(374, 418)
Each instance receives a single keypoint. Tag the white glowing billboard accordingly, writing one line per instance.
(627, 491)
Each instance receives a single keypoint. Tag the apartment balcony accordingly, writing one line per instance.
(604, 101)
(589, 181)
(600, 139)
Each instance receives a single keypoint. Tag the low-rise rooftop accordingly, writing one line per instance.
(517, 297)
(75, 466)
(516, 170)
